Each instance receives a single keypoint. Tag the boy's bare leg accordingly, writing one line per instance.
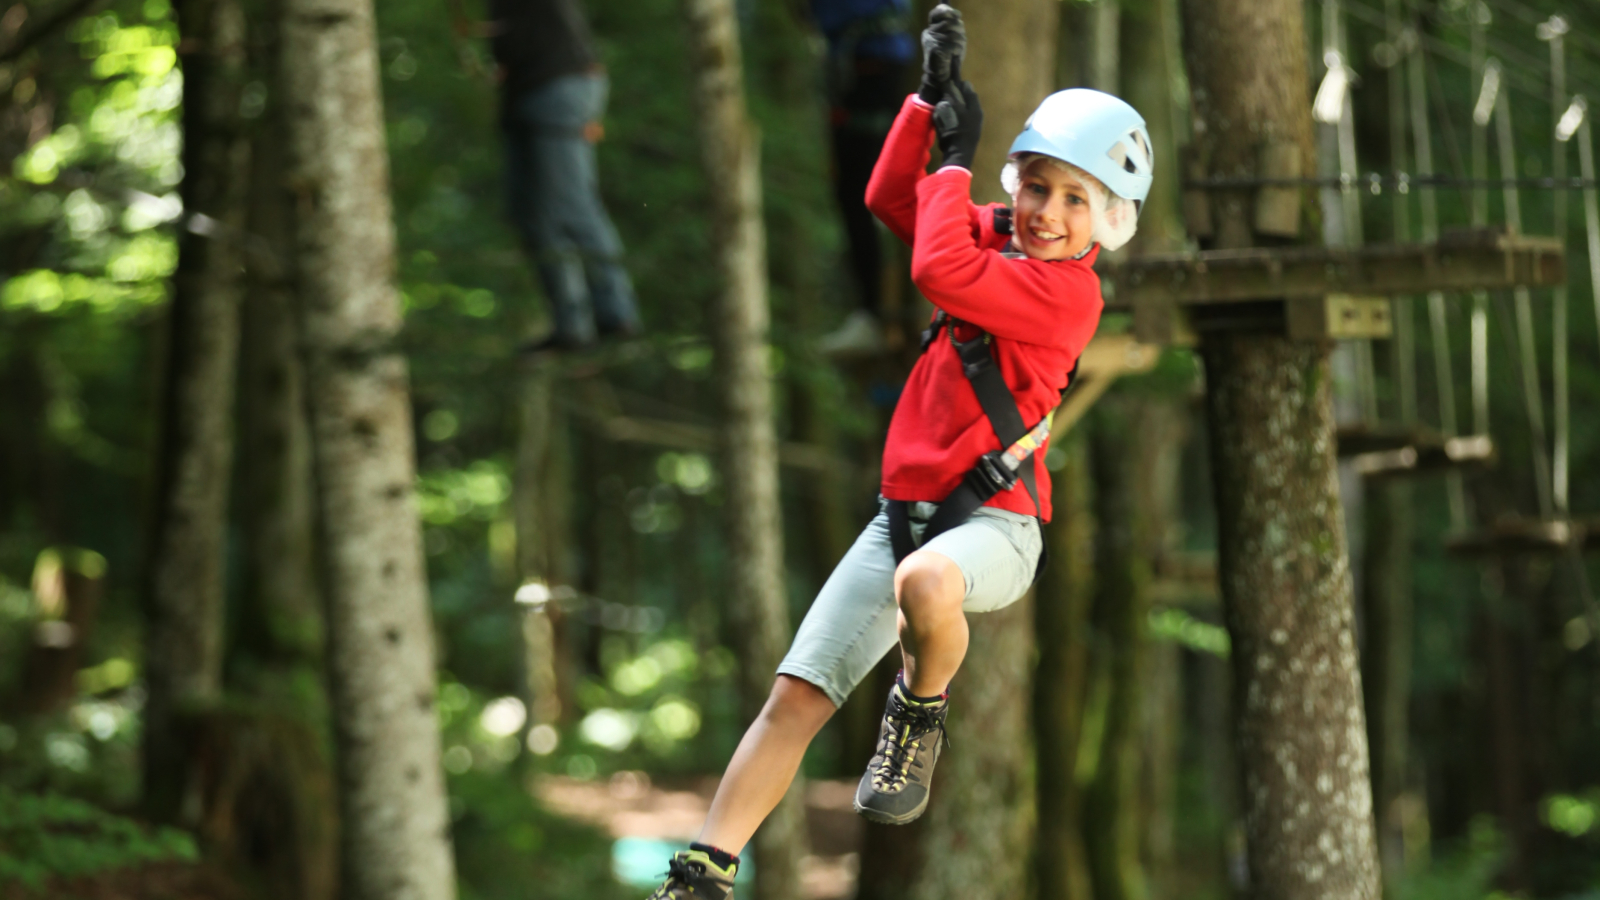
(933, 630)
(765, 764)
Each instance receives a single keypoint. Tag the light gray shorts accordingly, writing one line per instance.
(854, 622)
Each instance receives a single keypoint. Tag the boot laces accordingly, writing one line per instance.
(905, 726)
(682, 873)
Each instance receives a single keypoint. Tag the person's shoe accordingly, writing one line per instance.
(860, 335)
(894, 790)
(692, 875)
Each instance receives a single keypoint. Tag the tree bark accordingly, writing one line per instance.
(1386, 657)
(983, 811)
(1060, 687)
(1122, 570)
(395, 838)
(184, 590)
(281, 611)
(1283, 564)
(1011, 73)
(757, 608)
(540, 544)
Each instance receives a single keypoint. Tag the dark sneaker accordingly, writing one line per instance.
(691, 875)
(894, 790)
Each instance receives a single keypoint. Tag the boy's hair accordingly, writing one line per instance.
(1115, 218)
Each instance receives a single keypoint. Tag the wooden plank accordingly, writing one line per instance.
(1520, 537)
(1477, 260)
(1106, 359)
(1403, 452)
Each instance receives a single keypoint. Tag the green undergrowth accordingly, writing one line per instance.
(508, 848)
(48, 836)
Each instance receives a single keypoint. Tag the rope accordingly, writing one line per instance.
(1527, 356)
(1438, 324)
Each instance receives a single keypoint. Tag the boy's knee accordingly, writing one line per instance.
(929, 582)
(796, 700)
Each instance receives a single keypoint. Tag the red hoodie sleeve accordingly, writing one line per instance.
(1022, 299)
(892, 192)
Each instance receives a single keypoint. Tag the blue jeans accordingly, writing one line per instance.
(554, 197)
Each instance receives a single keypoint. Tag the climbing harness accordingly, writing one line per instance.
(995, 471)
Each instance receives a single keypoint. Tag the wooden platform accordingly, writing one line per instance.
(1266, 280)
(1107, 358)
(1519, 536)
(1397, 451)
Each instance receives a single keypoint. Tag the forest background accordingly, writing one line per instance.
(1496, 789)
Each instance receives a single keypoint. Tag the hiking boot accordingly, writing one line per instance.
(894, 790)
(691, 875)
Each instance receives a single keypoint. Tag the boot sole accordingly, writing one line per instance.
(883, 818)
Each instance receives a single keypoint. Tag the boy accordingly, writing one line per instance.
(956, 534)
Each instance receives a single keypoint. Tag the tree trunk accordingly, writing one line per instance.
(1061, 620)
(282, 617)
(1011, 73)
(184, 591)
(1386, 657)
(1149, 43)
(69, 597)
(1122, 572)
(983, 814)
(395, 834)
(1283, 566)
(539, 545)
(757, 608)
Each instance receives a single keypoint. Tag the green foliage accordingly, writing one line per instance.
(507, 847)
(1177, 626)
(48, 835)
(1465, 872)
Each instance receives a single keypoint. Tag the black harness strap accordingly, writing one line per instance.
(990, 476)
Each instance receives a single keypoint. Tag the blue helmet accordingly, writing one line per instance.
(1096, 132)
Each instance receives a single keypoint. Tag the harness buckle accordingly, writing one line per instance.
(991, 475)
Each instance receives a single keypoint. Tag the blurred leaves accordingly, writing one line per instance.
(48, 835)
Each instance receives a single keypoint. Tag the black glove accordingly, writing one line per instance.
(958, 121)
(944, 42)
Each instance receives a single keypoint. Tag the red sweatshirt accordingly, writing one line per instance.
(1041, 314)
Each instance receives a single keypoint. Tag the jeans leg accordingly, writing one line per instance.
(567, 292)
(565, 226)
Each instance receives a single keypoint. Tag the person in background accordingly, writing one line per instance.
(553, 94)
(870, 54)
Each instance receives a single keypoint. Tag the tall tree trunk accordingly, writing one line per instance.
(540, 517)
(395, 835)
(1284, 570)
(1386, 603)
(756, 606)
(1148, 40)
(1061, 621)
(184, 592)
(281, 612)
(1122, 573)
(983, 815)
(1011, 59)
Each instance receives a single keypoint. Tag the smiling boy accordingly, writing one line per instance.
(964, 488)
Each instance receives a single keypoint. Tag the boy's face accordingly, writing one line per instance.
(1052, 213)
